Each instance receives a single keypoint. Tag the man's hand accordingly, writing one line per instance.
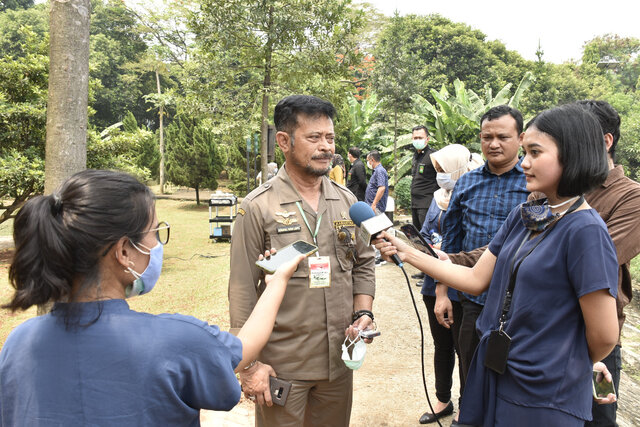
(373, 206)
(362, 323)
(443, 307)
(255, 383)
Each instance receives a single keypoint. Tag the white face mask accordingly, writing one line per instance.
(419, 144)
(444, 181)
(369, 165)
(357, 353)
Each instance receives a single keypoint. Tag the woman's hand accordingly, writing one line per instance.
(389, 245)
(603, 375)
(285, 271)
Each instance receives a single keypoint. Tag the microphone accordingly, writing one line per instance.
(370, 224)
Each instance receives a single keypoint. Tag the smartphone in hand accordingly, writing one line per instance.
(601, 387)
(368, 333)
(283, 255)
(417, 240)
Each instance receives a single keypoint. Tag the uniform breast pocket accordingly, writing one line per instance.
(345, 247)
(279, 241)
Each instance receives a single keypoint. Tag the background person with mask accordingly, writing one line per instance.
(92, 360)
(423, 179)
(450, 163)
(423, 183)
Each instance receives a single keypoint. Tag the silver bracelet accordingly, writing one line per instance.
(250, 365)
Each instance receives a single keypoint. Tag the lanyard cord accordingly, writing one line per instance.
(318, 221)
(506, 305)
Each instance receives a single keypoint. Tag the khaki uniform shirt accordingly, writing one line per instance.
(306, 341)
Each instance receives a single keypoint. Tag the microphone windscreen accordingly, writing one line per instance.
(360, 211)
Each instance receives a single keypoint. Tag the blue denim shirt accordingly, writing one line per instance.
(479, 205)
(379, 178)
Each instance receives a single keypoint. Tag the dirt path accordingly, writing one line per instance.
(388, 387)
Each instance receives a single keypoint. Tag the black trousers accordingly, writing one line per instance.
(445, 347)
(417, 217)
(468, 338)
(605, 415)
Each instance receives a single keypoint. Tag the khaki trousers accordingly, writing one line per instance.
(311, 403)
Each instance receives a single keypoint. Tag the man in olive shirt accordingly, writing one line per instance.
(301, 203)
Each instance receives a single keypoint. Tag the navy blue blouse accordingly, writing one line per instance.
(548, 364)
(126, 369)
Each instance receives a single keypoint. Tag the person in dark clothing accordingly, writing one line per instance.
(357, 177)
(423, 184)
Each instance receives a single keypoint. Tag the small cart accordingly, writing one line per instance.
(223, 209)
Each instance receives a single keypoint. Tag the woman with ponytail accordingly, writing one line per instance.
(92, 360)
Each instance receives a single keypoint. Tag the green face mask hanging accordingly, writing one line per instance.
(357, 353)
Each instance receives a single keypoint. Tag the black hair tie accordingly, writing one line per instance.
(56, 207)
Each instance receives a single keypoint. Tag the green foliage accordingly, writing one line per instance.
(15, 4)
(117, 45)
(456, 119)
(403, 193)
(192, 155)
(628, 149)
(23, 100)
(250, 53)
(433, 51)
(121, 150)
(22, 175)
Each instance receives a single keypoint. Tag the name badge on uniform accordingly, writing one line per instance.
(288, 229)
(421, 169)
(319, 272)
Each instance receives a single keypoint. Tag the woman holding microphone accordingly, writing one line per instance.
(551, 274)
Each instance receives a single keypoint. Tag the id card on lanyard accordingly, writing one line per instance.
(319, 266)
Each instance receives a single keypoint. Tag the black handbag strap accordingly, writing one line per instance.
(506, 304)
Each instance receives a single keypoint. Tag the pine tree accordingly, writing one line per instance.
(192, 155)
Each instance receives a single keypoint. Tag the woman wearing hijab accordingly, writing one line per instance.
(450, 163)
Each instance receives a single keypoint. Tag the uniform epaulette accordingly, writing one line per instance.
(339, 185)
(258, 191)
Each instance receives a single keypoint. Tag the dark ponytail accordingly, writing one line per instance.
(62, 237)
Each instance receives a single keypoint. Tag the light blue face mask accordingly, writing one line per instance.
(419, 144)
(145, 282)
(444, 181)
(357, 353)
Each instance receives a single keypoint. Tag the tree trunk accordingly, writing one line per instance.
(161, 115)
(197, 195)
(266, 86)
(66, 140)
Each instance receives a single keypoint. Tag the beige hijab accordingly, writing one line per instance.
(457, 160)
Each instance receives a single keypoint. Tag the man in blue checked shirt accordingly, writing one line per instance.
(480, 202)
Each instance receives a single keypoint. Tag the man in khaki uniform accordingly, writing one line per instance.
(298, 204)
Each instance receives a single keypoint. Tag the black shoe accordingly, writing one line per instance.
(430, 417)
(418, 275)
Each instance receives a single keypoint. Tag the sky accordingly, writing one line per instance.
(561, 26)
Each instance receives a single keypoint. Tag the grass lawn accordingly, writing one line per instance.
(194, 274)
